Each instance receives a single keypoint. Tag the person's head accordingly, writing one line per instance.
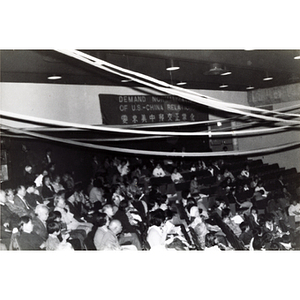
(59, 201)
(70, 196)
(244, 227)
(135, 180)
(175, 170)
(2, 197)
(28, 169)
(108, 210)
(25, 224)
(54, 216)
(101, 219)
(157, 217)
(9, 194)
(294, 202)
(53, 228)
(226, 213)
(56, 178)
(42, 212)
(21, 191)
(115, 226)
(46, 180)
(123, 205)
(30, 187)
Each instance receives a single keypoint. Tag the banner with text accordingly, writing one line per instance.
(143, 109)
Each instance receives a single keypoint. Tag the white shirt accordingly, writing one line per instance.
(158, 172)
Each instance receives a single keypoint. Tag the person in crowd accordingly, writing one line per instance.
(21, 207)
(68, 181)
(227, 219)
(261, 189)
(39, 179)
(227, 173)
(123, 167)
(28, 239)
(294, 210)
(158, 171)
(32, 195)
(133, 189)
(199, 226)
(47, 189)
(8, 219)
(53, 242)
(246, 235)
(28, 174)
(176, 176)
(57, 186)
(96, 194)
(39, 222)
(130, 232)
(47, 159)
(117, 195)
(68, 217)
(72, 204)
(106, 235)
(95, 165)
(245, 173)
(157, 232)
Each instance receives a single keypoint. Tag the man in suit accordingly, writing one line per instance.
(9, 220)
(22, 207)
(39, 222)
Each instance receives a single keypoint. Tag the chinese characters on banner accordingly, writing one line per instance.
(143, 109)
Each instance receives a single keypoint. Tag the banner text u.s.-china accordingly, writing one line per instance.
(143, 109)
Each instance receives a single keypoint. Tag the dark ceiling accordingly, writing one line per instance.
(248, 68)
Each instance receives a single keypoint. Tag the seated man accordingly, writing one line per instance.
(294, 210)
(32, 195)
(39, 222)
(107, 239)
(8, 219)
(21, 207)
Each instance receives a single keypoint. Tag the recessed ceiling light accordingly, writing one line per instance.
(297, 57)
(268, 78)
(172, 68)
(219, 124)
(54, 77)
(126, 80)
(223, 86)
(249, 87)
(226, 73)
(172, 65)
(181, 83)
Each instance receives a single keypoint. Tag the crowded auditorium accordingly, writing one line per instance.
(150, 150)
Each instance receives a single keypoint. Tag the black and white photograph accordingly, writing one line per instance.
(155, 159)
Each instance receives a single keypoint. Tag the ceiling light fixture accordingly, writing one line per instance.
(223, 86)
(297, 57)
(172, 66)
(250, 87)
(181, 83)
(267, 78)
(54, 77)
(226, 73)
(126, 80)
